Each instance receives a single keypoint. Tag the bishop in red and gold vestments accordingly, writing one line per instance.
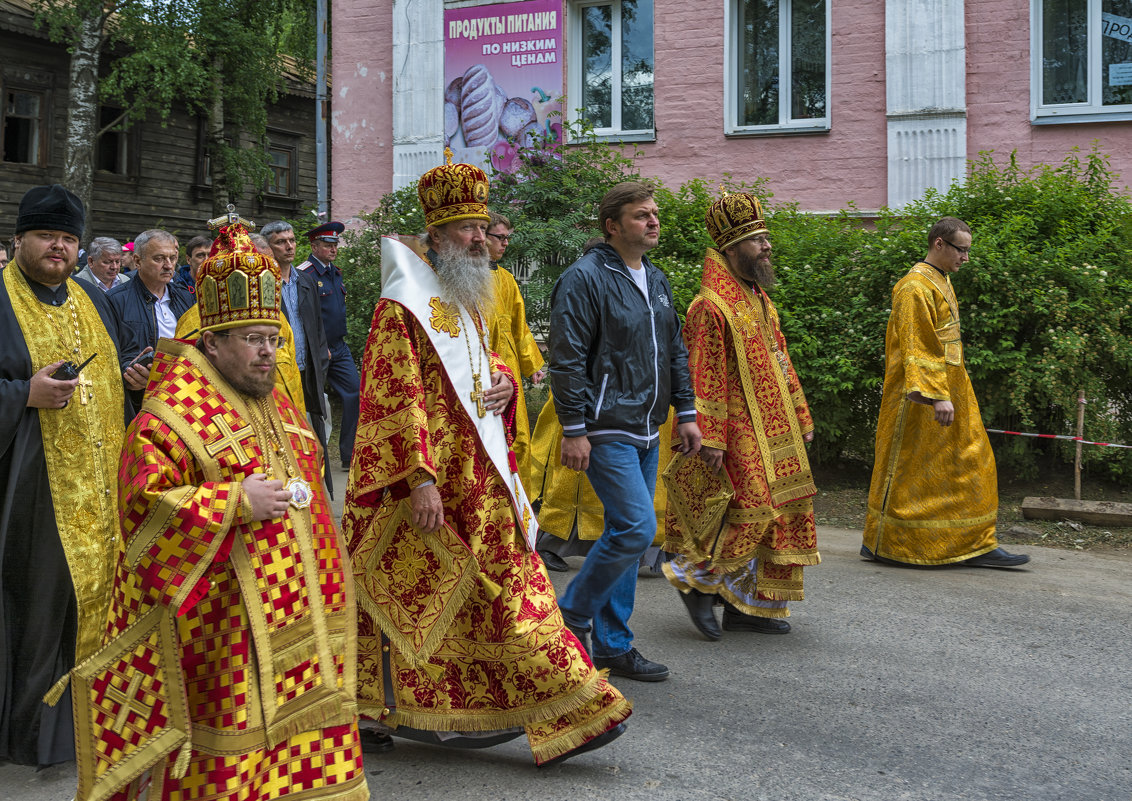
(229, 668)
(461, 641)
(755, 423)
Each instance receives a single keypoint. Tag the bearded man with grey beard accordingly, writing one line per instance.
(437, 520)
(756, 425)
(459, 257)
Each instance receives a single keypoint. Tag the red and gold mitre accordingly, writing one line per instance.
(453, 192)
(237, 285)
(734, 218)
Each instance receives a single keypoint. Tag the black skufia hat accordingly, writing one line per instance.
(50, 208)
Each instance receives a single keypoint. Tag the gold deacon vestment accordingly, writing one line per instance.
(512, 341)
(229, 666)
(933, 499)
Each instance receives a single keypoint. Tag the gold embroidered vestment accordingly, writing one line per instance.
(262, 612)
(474, 637)
(933, 498)
(750, 405)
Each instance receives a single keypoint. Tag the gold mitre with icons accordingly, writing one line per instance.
(237, 285)
(733, 218)
(453, 192)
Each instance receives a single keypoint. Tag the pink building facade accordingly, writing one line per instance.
(835, 102)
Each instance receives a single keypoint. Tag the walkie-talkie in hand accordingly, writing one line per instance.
(67, 371)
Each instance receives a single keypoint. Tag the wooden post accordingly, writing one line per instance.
(1080, 436)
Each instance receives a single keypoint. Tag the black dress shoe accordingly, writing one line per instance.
(554, 562)
(867, 554)
(734, 620)
(376, 741)
(997, 558)
(583, 637)
(632, 665)
(700, 609)
(604, 738)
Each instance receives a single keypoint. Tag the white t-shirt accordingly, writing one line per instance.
(641, 278)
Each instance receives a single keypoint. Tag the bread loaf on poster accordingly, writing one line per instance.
(452, 93)
(517, 114)
(480, 107)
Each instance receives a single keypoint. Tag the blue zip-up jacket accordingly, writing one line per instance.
(617, 361)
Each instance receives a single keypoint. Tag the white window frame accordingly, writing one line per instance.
(1063, 113)
(575, 66)
(731, 51)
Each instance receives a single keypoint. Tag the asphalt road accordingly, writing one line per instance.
(961, 683)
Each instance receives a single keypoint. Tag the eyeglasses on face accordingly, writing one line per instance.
(963, 251)
(257, 341)
(500, 237)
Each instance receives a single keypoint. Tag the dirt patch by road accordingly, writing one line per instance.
(843, 492)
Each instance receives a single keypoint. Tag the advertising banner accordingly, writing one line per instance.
(503, 79)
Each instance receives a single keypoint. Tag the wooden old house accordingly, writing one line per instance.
(153, 175)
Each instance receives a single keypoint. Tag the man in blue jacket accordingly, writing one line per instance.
(617, 363)
(148, 306)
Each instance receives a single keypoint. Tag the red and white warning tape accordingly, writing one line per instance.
(1065, 437)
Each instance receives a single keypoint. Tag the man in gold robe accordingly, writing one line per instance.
(755, 421)
(933, 499)
(60, 438)
(228, 671)
(461, 642)
(511, 338)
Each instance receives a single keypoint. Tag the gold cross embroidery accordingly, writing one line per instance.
(230, 440)
(85, 385)
(127, 702)
(748, 320)
(301, 433)
(477, 395)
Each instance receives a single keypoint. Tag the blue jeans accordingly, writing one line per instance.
(624, 478)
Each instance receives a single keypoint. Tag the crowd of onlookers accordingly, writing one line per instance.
(150, 284)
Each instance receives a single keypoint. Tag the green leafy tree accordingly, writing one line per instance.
(220, 58)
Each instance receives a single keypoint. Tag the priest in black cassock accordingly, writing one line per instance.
(60, 447)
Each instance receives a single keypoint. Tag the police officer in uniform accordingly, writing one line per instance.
(342, 376)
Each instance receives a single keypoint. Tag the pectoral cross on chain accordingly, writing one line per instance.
(477, 395)
(85, 385)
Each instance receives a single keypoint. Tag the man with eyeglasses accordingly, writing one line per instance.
(934, 493)
(231, 624)
(511, 338)
(750, 555)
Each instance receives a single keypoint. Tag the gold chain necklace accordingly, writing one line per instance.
(300, 490)
(477, 366)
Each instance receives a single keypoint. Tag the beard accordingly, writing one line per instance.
(466, 278)
(757, 269)
(254, 386)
